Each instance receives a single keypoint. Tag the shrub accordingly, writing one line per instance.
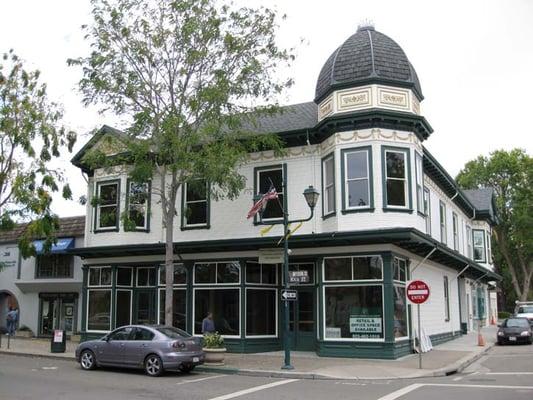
(503, 315)
(213, 341)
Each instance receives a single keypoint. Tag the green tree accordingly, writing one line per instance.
(510, 174)
(191, 75)
(31, 136)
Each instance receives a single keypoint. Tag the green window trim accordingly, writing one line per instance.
(483, 247)
(146, 227)
(442, 222)
(408, 186)
(98, 185)
(207, 225)
(257, 170)
(370, 176)
(326, 213)
(469, 242)
(455, 229)
(427, 209)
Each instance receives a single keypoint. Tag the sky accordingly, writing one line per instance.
(474, 60)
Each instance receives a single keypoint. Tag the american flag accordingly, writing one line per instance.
(271, 194)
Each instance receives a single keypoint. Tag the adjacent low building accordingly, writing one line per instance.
(46, 288)
(388, 212)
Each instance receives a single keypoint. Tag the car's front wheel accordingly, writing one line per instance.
(153, 365)
(87, 360)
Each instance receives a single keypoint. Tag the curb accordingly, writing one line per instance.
(454, 368)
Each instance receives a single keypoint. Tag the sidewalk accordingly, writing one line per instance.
(444, 359)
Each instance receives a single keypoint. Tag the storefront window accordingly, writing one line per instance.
(100, 276)
(179, 300)
(123, 308)
(98, 316)
(353, 268)
(145, 276)
(261, 318)
(180, 275)
(264, 274)
(400, 312)
(124, 276)
(399, 269)
(354, 312)
(217, 273)
(225, 306)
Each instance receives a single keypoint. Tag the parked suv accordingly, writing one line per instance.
(524, 309)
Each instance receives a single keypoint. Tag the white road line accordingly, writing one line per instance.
(199, 379)
(254, 389)
(408, 389)
(457, 379)
(509, 373)
(402, 391)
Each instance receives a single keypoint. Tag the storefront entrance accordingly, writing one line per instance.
(57, 311)
(302, 320)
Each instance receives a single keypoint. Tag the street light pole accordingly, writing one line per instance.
(311, 197)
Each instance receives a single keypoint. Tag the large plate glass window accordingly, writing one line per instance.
(99, 310)
(455, 222)
(123, 307)
(479, 245)
(396, 178)
(53, 266)
(138, 205)
(357, 180)
(107, 205)
(225, 306)
(353, 268)
(442, 221)
(419, 184)
(328, 185)
(195, 204)
(179, 300)
(400, 313)
(266, 177)
(261, 312)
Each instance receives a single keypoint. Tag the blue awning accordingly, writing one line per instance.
(60, 247)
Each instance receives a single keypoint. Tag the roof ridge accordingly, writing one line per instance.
(374, 73)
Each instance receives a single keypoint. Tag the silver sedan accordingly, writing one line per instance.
(153, 348)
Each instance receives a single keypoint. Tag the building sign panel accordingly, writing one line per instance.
(298, 276)
(270, 256)
(366, 326)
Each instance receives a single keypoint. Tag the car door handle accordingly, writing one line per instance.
(143, 345)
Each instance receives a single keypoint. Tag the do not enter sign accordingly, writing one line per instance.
(417, 292)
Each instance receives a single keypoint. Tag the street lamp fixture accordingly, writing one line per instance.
(311, 196)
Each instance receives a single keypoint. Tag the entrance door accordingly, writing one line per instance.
(49, 315)
(144, 312)
(302, 320)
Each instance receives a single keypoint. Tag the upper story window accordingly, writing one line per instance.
(442, 220)
(469, 241)
(261, 274)
(396, 176)
(479, 245)
(455, 222)
(195, 205)
(489, 249)
(266, 177)
(100, 276)
(107, 205)
(357, 189)
(138, 201)
(446, 299)
(53, 266)
(328, 185)
(419, 184)
(427, 210)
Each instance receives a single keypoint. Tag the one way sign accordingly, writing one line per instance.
(289, 295)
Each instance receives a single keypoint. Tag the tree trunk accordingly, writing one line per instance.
(169, 268)
(502, 243)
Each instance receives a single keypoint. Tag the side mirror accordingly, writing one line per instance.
(105, 338)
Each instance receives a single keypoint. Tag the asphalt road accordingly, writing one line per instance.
(505, 373)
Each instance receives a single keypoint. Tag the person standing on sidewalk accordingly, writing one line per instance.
(12, 318)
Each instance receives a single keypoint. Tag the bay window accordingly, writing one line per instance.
(479, 245)
(138, 204)
(396, 177)
(328, 185)
(195, 205)
(107, 205)
(357, 185)
(419, 184)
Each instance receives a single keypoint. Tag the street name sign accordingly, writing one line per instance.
(417, 292)
(298, 277)
(289, 295)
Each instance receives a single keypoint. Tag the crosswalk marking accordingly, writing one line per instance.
(254, 389)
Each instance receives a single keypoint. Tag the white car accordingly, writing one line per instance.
(524, 309)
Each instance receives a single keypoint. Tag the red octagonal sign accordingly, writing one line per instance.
(417, 292)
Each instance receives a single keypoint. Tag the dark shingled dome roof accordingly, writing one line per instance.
(367, 56)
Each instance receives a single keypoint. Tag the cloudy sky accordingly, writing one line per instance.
(474, 60)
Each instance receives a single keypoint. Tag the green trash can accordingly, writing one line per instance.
(59, 341)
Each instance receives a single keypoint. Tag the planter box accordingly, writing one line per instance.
(214, 357)
(24, 334)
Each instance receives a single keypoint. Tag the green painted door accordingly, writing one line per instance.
(144, 310)
(302, 320)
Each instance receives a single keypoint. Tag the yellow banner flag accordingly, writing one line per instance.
(264, 231)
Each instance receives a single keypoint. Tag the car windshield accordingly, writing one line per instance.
(173, 333)
(517, 323)
(525, 310)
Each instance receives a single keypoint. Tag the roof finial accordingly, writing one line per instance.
(366, 25)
